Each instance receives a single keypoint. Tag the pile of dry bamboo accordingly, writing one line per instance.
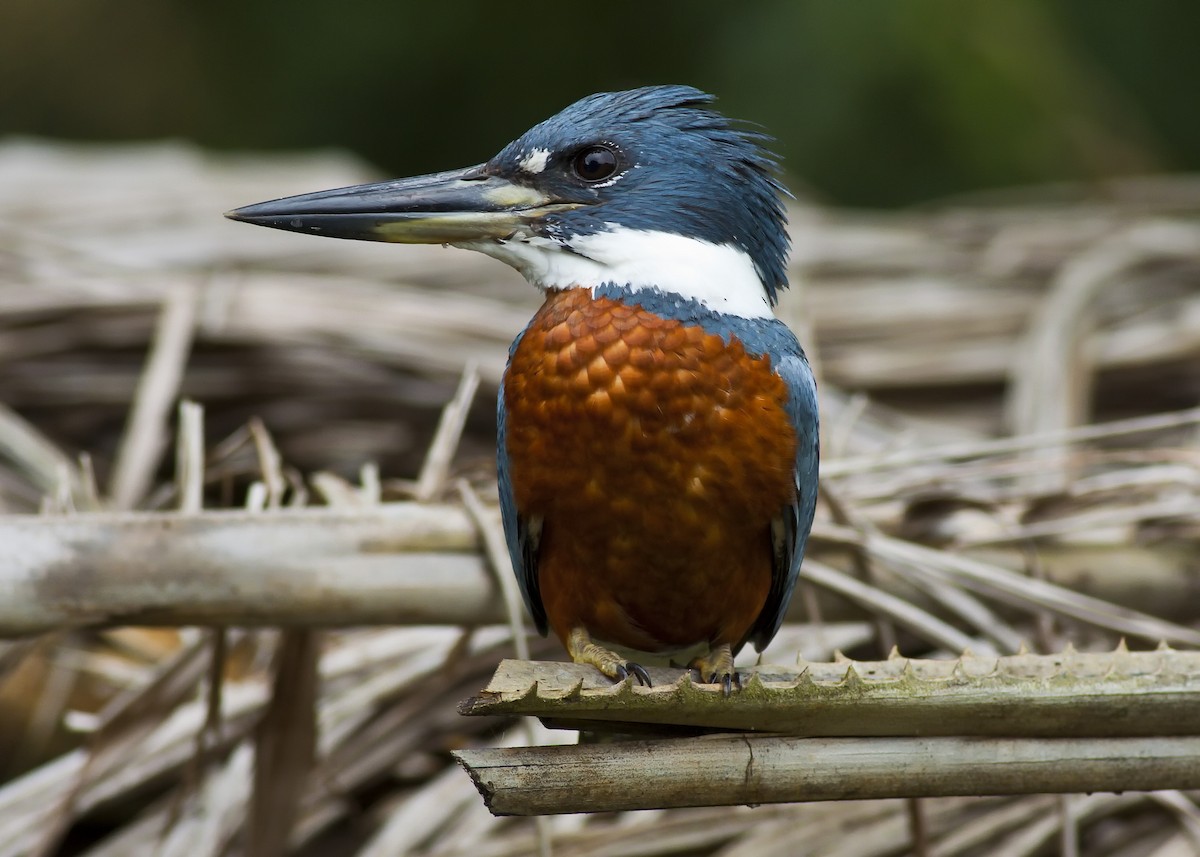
(1011, 458)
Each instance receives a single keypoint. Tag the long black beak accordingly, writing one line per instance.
(443, 208)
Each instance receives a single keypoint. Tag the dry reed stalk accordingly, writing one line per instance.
(145, 437)
(723, 770)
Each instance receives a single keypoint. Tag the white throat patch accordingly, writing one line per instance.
(719, 276)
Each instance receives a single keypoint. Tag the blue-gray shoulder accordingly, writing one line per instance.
(758, 336)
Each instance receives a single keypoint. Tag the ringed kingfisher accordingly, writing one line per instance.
(657, 442)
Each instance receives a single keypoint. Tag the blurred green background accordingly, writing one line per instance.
(874, 102)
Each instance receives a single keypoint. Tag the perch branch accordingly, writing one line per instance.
(724, 770)
(1072, 694)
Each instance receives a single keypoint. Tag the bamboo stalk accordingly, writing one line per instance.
(727, 770)
(402, 563)
(394, 563)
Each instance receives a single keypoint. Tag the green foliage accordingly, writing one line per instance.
(873, 102)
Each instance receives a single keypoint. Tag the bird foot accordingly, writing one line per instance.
(583, 651)
(717, 668)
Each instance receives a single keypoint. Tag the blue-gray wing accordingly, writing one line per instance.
(790, 530)
(521, 535)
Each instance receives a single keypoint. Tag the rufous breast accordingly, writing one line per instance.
(654, 454)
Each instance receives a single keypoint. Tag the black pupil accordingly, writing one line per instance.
(595, 163)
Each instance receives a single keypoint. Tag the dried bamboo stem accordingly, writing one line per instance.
(402, 563)
(723, 770)
(394, 563)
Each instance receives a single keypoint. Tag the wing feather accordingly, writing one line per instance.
(790, 529)
(521, 534)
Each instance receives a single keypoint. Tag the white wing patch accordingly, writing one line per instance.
(534, 162)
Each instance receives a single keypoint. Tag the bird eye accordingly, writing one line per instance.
(595, 163)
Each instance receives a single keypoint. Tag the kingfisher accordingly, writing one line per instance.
(657, 425)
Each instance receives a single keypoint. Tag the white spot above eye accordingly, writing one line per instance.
(719, 276)
(534, 162)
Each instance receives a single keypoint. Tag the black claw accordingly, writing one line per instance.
(629, 668)
(728, 681)
(640, 673)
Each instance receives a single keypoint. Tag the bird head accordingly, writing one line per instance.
(647, 189)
